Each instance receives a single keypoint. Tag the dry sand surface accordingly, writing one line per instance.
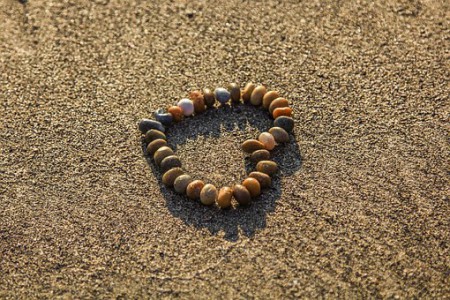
(359, 209)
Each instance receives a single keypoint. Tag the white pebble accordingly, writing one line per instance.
(187, 106)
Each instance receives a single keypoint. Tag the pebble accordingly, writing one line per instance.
(267, 166)
(176, 112)
(147, 124)
(154, 134)
(253, 186)
(162, 153)
(268, 140)
(280, 135)
(164, 118)
(194, 188)
(247, 92)
(155, 145)
(259, 155)
(224, 197)
(279, 102)
(264, 180)
(269, 97)
(187, 106)
(282, 111)
(222, 95)
(235, 92)
(181, 183)
(208, 97)
(241, 194)
(198, 100)
(208, 195)
(257, 95)
(169, 177)
(252, 145)
(287, 123)
(169, 162)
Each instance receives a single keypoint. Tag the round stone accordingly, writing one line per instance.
(198, 100)
(287, 123)
(194, 188)
(264, 180)
(155, 145)
(279, 102)
(241, 194)
(208, 195)
(222, 95)
(187, 106)
(163, 117)
(209, 98)
(235, 92)
(169, 162)
(154, 134)
(180, 184)
(224, 197)
(257, 95)
(268, 140)
(162, 153)
(247, 92)
(252, 145)
(282, 111)
(259, 155)
(169, 177)
(269, 97)
(147, 124)
(176, 112)
(280, 135)
(253, 186)
(267, 166)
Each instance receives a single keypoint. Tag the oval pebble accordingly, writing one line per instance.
(147, 124)
(176, 112)
(209, 98)
(280, 135)
(224, 197)
(169, 177)
(252, 145)
(257, 95)
(180, 184)
(259, 155)
(169, 162)
(235, 92)
(155, 145)
(279, 102)
(268, 140)
(198, 100)
(269, 97)
(287, 123)
(282, 111)
(163, 117)
(187, 106)
(241, 194)
(253, 186)
(154, 134)
(267, 166)
(222, 95)
(208, 195)
(264, 180)
(194, 188)
(247, 92)
(162, 153)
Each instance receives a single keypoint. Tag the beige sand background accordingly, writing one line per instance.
(360, 208)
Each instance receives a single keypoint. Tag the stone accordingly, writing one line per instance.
(269, 97)
(198, 100)
(208, 195)
(162, 153)
(242, 195)
(163, 117)
(247, 92)
(253, 186)
(177, 113)
(268, 140)
(154, 134)
(224, 197)
(155, 145)
(257, 95)
(235, 93)
(259, 155)
(194, 188)
(180, 184)
(252, 145)
(282, 111)
(264, 180)
(147, 124)
(267, 166)
(208, 97)
(222, 95)
(169, 162)
(279, 102)
(287, 123)
(280, 135)
(187, 106)
(170, 176)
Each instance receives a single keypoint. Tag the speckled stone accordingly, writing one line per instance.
(279, 102)
(155, 145)
(209, 98)
(169, 162)
(235, 92)
(247, 92)
(222, 95)
(267, 166)
(180, 184)
(187, 106)
(287, 123)
(280, 135)
(163, 117)
(257, 95)
(253, 186)
(198, 100)
(162, 153)
(169, 177)
(194, 188)
(154, 134)
(252, 145)
(269, 97)
(268, 140)
(208, 195)
(242, 195)
(147, 124)
(264, 180)
(176, 112)
(259, 155)
(224, 197)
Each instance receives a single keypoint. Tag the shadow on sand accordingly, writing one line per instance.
(211, 124)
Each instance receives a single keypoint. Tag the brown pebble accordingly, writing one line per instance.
(162, 153)
(208, 195)
(170, 162)
(241, 194)
(247, 92)
(208, 97)
(194, 188)
(259, 155)
(279, 102)
(225, 196)
(235, 92)
(176, 112)
(253, 186)
(282, 111)
(264, 180)
(154, 134)
(181, 183)
(280, 135)
(257, 95)
(198, 100)
(169, 177)
(269, 97)
(252, 145)
(155, 145)
(268, 140)
(267, 166)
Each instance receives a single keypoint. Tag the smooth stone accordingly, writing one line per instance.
(162, 153)
(208, 97)
(257, 95)
(147, 124)
(267, 166)
(187, 106)
(269, 97)
(194, 188)
(164, 118)
(155, 145)
(224, 197)
(279, 102)
(222, 95)
(253, 186)
(252, 145)
(241, 194)
(235, 92)
(169, 177)
(282, 111)
(247, 92)
(169, 162)
(180, 184)
(208, 195)
(259, 155)
(154, 134)
(264, 180)
(287, 123)
(268, 140)
(176, 112)
(198, 100)
(280, 135)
